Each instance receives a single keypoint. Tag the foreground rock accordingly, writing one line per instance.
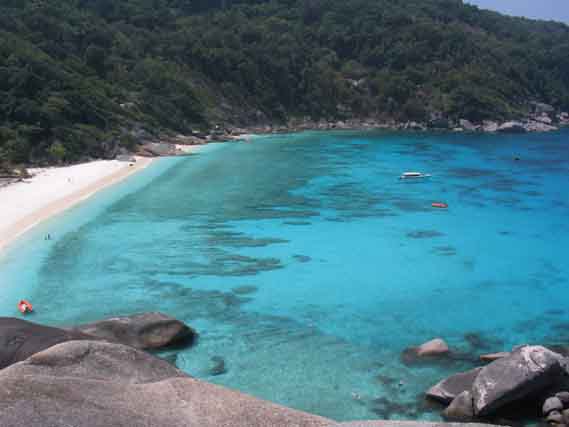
(448, 389)
(20, 339)
(99, 384)
(142, 331)
(525, 371)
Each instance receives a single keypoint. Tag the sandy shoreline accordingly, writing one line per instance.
(52, 190)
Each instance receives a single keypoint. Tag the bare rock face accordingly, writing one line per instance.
(468, 125)
(544, 118)
(100, 384)
(526, 371)
(536, 126)
(434, 347)
(512, 127)
(461, 408)
(142, 331)
(448, 389)
(19, 339)
(489, 126)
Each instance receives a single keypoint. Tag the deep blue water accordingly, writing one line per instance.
(309, 267)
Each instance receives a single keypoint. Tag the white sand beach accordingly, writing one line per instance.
(53, 190)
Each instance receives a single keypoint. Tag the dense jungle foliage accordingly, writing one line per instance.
(80, 76)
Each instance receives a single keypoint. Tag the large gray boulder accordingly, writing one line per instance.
(526, 371)
(19, 339)
(142, 331)
(448, 389)
(100, 384)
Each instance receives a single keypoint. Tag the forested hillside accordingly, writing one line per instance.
(78, 76)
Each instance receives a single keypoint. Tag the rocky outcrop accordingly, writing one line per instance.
(526, 371)
(99, 384)
(143, 331)
(467, 125)
(544, 118)
(489, 126)
(512, 127)
(414, 126)
(20, 339)
(448, 389)
(157, 149)
(536, 126)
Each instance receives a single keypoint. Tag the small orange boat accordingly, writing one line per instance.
(439, 205)
(25, 306)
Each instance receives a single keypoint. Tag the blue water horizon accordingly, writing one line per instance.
(309, 267)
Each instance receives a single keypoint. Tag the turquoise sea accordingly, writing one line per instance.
(308, 266)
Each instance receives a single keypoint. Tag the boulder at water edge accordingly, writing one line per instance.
(446, 390)
(436, 347)
(19, 339)
(142, 331)
(100, 384)
(526, 371)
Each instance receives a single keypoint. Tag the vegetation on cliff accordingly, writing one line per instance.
(80, 77)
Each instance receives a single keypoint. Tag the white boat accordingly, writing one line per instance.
(414, 175)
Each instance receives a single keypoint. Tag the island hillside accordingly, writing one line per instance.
(82, 79)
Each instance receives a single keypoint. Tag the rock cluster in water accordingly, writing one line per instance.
(528, 377)
(556, 409)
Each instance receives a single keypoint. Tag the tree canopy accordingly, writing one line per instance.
(77, 76)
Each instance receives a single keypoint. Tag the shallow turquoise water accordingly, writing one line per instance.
(309, 267)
